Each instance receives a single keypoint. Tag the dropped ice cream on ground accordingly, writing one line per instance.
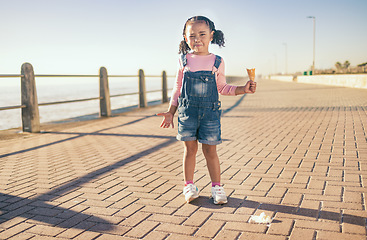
(260, 219)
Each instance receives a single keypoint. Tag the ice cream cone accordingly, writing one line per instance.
(251, 73)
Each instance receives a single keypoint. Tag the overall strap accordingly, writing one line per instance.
(184, 60)
(218, 61)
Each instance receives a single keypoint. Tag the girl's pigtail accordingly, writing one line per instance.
(218, 38)
(183, 48)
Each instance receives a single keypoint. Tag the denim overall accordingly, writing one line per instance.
(199, 108)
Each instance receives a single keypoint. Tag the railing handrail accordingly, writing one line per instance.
(77, 75)
(65, 75)
(69, 101)
(29, 105)
(10, 75)
(77, 100)
(12, 107)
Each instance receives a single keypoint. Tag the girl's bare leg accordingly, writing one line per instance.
(189, 159)
(212, 161)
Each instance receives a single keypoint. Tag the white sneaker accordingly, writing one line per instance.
(218, 195)
(191, 192)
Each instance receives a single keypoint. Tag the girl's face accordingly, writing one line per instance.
(198, 37)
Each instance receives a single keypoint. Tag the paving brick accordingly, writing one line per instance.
(355, 197)
(22, 236)
(135, 219)
(292, 199)
(169, 195)
(118, 196)
(83, 225)
(283, 227)
(316, 184)
(210, 228)
(106, 236)
(109, 228)
(318, 225)
(124, 202)
(302, 233)
(343, 205)
(354, 229)
(197, 219)
(176, 236)
(230, 217)
(227, 235)
(154, 235)
(166, 218)
(147, 195)
(101, 211)
(152, 202)
(186, 210)
(173, 228)
(96, 203)
(46, 230)
(245, 227)
(142, 229)
(277, 192)
(74, 220)
(305, 191)
(67, 197)
(70, 233)
(155, 209)
(129, 210)
(257, 236)
(333, 190)
(332, 198)
(87, 236)
(45, 211)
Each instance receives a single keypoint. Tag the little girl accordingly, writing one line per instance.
(200, 78)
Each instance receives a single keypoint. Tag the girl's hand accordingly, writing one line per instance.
(250, 87)
(167, 119)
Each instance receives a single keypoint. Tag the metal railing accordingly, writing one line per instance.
(29, 103)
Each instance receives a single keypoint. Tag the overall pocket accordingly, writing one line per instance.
(199, 87)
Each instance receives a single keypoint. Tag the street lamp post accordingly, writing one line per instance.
(275, 63)
(286, 58)
(314, 31)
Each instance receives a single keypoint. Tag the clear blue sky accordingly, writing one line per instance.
(79, 36)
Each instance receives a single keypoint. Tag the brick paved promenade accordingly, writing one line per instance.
(297, 152)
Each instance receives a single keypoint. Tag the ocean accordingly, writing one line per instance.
(61, 89)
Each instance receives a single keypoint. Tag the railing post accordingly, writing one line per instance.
(142, 91)
(104, 93)
(164, 87)
(30, 114)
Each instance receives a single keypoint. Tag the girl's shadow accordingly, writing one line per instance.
(237, 203)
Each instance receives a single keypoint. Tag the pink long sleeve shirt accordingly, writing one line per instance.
(201, 63)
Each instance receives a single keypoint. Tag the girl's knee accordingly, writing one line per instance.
(209, 149)
(191, 147)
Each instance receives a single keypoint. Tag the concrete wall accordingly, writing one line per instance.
(347, 80)
(343, 80)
